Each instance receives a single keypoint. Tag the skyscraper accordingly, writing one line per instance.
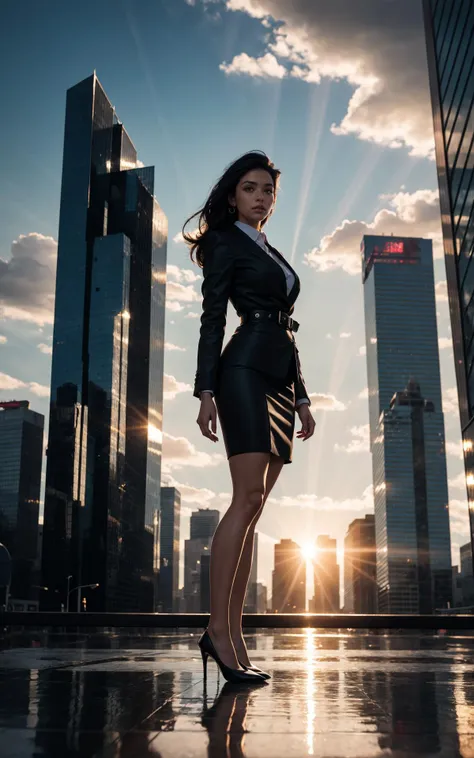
(360, 584)
(21, 455)
(413, 552)
(169, 548)
(250, 605)
(204, 523)
(450, 47)
(104, 449)
(288, 579)
(326, 576)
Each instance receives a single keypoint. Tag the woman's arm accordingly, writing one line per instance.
(218, 272)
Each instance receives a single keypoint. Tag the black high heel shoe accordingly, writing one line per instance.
(256, 669)
(232, 675)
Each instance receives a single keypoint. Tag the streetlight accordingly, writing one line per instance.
(80, 587)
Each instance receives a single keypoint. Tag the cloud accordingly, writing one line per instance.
(169, 346)
(266, 66)
(192, 314)
(359, 442)
(324, 402)
(450, 401)
(47, 349)
(189, 494)
(345, 335)
(364, 394)
(182, 293)
(455, 450)
(28, 278)
(179, 452)
(173, 305)
(411, 215)
(3, 339)
(441, 290)
(379, 53)
(362, 350)
(458, 482)
(444, 343)
(10, 383)
(171, 387)
(326, 503)
(186, 275)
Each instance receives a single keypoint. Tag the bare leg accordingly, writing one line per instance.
(239, 590)
(248, 472)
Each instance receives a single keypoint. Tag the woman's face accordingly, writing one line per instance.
(254, 197)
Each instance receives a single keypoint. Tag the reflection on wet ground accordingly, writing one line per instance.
(335, 695)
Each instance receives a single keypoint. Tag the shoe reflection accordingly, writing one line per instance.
(225, 719)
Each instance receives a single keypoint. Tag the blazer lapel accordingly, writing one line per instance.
(293, 293)
(257, 250)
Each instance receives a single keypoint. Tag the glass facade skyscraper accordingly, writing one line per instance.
(360, 584)
(450, 47)
(413, 550)
(169, 548)
(21, 457)
(104, 450)
(288, 578)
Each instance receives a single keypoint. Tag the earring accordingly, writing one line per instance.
(231, 209)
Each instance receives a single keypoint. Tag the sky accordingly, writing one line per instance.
(337, 95)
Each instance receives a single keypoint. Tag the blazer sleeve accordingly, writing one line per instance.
(218, 274)
(300, 387)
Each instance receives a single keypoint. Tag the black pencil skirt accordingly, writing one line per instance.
(256, 412)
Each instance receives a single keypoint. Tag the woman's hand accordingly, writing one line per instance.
(307, 422)
(208, 413)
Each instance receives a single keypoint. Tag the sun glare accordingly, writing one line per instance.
(308, 551)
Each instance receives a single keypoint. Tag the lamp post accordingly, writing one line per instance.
(80, 587)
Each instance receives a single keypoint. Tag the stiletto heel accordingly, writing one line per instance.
(204, 663)
(256, 669)
(232, 675)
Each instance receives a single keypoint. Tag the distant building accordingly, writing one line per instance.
(466, 577)
(450, 52)
(203, 525)
(288, 578)
(21, 455)
(169, 549)
(262, 599)
(326, 576)
(205, 583)
(105, 432)
(407, 438)
(360, 582)
(251, 596)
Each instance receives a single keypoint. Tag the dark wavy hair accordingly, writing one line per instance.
(215, 214)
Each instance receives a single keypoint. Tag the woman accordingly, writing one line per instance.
(256, 383)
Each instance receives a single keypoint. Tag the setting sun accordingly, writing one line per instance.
(308, 551)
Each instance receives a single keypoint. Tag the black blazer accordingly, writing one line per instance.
(237, 269)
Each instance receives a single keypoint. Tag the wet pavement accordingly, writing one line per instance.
(337, 695)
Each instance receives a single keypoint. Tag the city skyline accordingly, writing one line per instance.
(344, 174)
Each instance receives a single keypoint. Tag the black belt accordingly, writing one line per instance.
(281, 318)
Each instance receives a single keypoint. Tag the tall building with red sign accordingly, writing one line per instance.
(407, 438)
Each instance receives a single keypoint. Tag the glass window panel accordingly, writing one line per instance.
(463, 121)
(463, 200)
(465, 246)
(459, 49)
(456, 88)
(452, 28)
(441, 20)
(468, 285)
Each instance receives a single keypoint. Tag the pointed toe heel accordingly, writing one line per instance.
(236, 676)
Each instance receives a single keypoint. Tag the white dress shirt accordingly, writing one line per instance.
(261, 239)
